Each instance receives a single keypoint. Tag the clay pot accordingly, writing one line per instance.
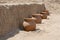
(43, 15)
(29, 24)
(37, 17)
(47, 12)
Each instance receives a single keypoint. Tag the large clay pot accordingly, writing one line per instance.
(43, 15)
(37, 17)
(29, 24)
(47, 12)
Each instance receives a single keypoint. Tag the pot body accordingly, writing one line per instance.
(37, 17)
(29, 25)
(47, 12)
(43, 15)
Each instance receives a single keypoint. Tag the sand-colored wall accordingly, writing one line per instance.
(20, 0)
(11, 16)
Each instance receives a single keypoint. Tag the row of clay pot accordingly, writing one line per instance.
(30, 23)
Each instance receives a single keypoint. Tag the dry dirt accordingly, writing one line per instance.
(48, 30)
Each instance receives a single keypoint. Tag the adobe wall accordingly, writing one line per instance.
(12, 15)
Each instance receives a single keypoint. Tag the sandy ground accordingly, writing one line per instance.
(48, 30)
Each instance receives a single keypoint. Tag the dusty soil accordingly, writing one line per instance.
(48, 30)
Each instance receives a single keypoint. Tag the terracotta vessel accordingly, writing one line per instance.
(37, 17)
(29, 24)
(43, 15)
(47, 12)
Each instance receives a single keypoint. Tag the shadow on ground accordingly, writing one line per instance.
(11, 34)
